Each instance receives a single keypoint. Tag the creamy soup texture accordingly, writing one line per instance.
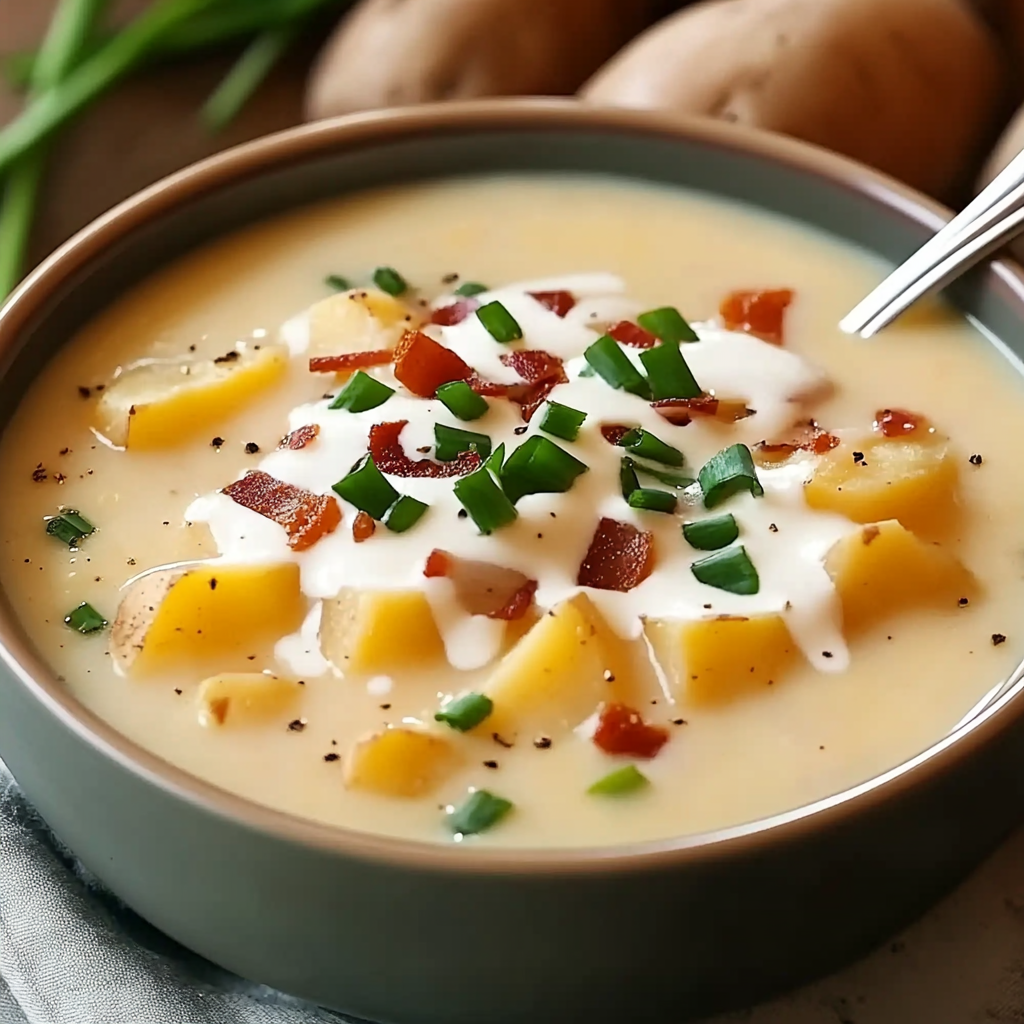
(719, 567)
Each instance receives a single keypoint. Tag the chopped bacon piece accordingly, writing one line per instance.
(620, 557)
(299, 438)
(897, 422)
(363, 527)
(305, 516)
(349, 361)
(808, 437)
(621, 730)
(629, 333)
(613, 433)
(558, 302)
(680, 411)
(540, 371)
(423, 365)
(483, 588)
(389, 456)
(757, 312)
(487, 388)
(448, 316)
(535, 365)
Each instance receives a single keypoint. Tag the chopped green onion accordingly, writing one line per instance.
(471, 288)
(562, 421)
(451, 442)
(389, 280)
(362, 392)
(337, 282)
(404, 514)
(539, 466)
(462, 401)
(615, 368)
(644, 445)
(668, 324)
(85, 619)
(627, 477)
(70, 527)
(480, 812)
(494, 461)
(485, 501)
(729, 569)
(650, 499)
(711, 534)
(677, 480)
(726, 473)
(466, 712)
(623, 780)
(367, 488)
(668, 373)
(500, 323)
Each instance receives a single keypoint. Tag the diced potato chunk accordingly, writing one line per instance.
(379, 631)
(180, 614)
(400, 762)
(882, 569)
(158, 404)
(907, 478)
(243, 698)
(360, 320)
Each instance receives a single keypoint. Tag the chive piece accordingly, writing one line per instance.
(367, 488)
(679, 481)
(389, 280)
(711, 534)
(729, 471)
(85, 619)
(451, 442)
(471, 288)
(404, 514)
(668, 324)
(500, 323)
(668, 373)
(644, 445)
(494, 461)
(69, 527)
(539, 466)
(362, 392)
(462, 401)
(729, 569)
(466, 712)
(615, 368)
(627, 477)
(485, 501)
(480, 812)
(337, 282)
(623, 780)
(650, 499)
(562, 421)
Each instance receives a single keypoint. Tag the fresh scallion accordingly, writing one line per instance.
(404, 514)
(495, 460)
(367, 488)
(668, 373)
(451, 442)
(85, 619)
(650, 499)
(679, 481)
(668, 324)
(539, 466)
(471, 288)
(337, 282)
(727, 473)
(562, 421)
(501, 325)
(623, 780)
(615, 367)
(462, 401)
(69, 527)
(485, 501)
(389, 280)
(481, 811)
(627, 477)
(711, 534)
(466, 712)
(362, 392)
(644, 445)
(729, 569)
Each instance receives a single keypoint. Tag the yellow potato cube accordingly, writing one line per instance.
(400, 762)
(360, 320)
(244, 698)
(158, 404)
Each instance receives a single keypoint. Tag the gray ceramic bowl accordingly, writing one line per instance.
(413, 933)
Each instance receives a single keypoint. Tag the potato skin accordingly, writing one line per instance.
(391, 52)
(912, 87)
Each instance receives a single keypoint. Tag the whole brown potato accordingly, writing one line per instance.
(912, 87)
(388, 52)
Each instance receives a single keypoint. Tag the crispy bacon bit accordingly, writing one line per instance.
(535, 365)
(680, 411)
(629, 333)
(807, 437)
(389, 456)
(305, 516)
(483, 588)
(349, 361)
(897, 422)
(423, 365)
(621, 730)
(759, 313)
(541, 373)
(620, 557)
(448, 316)
(363, 527)
(613, 433)
(558, 302)
(298, 439)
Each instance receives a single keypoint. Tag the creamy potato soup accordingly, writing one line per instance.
(521, 511)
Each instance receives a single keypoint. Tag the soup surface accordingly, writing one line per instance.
(851, 594)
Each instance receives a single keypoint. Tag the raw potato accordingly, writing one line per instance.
(912, 87)
(400, 762)
(389, 52)
(244, 698)
(360, 320)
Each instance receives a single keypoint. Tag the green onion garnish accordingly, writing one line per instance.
(451, 442)
(539, 466)
(485, 501)
(462, 401)
(367, 488)
(480, 812)
(500, 323)
(677, 480)
(619, 782)
(337, 282)
(494, 461)
(404, 513)
(615, 368)
(644, 445)
(627, 477)
(70, 527)
(362, 392)
(85, 619)
(562, 421)
(650, 499)
(711, 534)
(729, 569)
(465, 713)
(729, 471)
(668, 324)
(668, 373)
(471, 288)
(389, 280)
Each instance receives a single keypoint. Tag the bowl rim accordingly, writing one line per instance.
(990, 717)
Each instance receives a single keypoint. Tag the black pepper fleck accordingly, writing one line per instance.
(449, 278)
(773, 528)
(385, 707)
(609, 676)
(229, 357)
(332, 757)
(520, 430)
(177, 690)
(679, 721)
(213, 582)
(858, 457)
(216, 442)
(497, 737)
(64, 451)
(84, 391)
(463, 513)
(826, 654)
(39, 474)
(975, 460)
(542, 742)
(997, 639)
(252, 448)
(490, 764)
(963, 602)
